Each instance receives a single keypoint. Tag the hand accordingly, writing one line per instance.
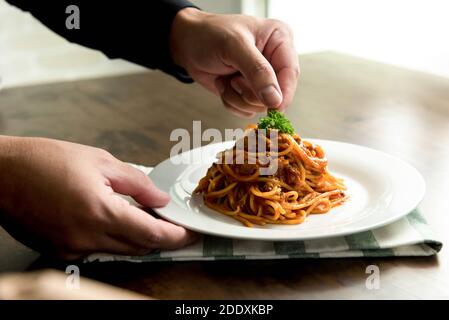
(60, 197)
(250, 62)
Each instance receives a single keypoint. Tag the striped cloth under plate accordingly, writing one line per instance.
(409, 236)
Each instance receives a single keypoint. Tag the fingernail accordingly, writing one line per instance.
(236, 86)
(270, 96)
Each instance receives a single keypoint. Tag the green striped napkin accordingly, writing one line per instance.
(409, 236)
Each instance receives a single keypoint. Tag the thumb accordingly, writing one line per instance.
(130, 181)
(258, 71)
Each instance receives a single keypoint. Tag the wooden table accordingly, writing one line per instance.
(342, 98)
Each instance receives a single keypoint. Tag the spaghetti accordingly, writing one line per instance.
(300, 186)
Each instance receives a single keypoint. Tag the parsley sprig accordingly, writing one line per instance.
(276, 120)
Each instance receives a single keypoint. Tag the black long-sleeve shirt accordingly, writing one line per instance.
(135, 30)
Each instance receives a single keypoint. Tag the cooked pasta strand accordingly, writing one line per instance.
(302, 184)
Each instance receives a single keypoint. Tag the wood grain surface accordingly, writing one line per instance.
(343, 98)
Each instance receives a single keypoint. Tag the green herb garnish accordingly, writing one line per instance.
(275, 120)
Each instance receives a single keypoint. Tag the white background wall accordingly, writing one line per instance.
(219, 6)
(409, 33)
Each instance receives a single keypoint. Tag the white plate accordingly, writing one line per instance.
(382, 189)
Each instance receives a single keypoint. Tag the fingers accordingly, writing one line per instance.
(104, 244)
(127, 230)
(127, 180)
(282, 55)
(247, 58)
(234, 102)
(139, 229)
(288, 78)
(245, 105)
(241, 86)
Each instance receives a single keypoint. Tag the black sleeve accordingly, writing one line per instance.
(135, 30)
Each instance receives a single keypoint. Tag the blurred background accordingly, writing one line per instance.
(407, 33)
(411, 34)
